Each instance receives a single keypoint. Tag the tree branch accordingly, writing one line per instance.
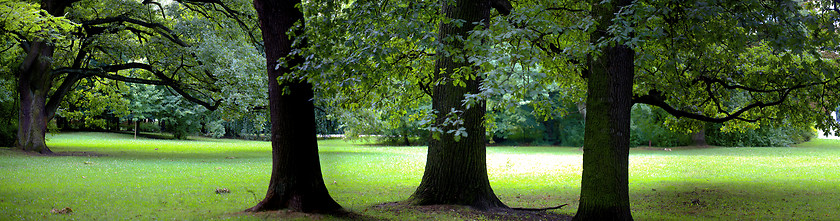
(230, 13)
(164, 80)
(60, 92)
(121, 19)
(564, 9)
(656, 98)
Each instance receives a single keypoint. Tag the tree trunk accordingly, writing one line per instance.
(296, 181)
(550, 133)
(405, 137)
(34, 84)
(456, 168)
(604, 191)
(699, 137)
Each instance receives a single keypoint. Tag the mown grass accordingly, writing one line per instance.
(148, 179)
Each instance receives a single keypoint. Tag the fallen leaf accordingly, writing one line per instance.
(222, 190)
(66, 210)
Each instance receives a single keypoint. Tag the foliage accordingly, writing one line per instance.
(203, 51)
(177, 115)
(214, 128)
(523, 125)
(767, 136)
(326, 122)
(8, 106)
(402, 128)
(8, 123)
(253, 127)
(764, 64)
(153, 127)
(92, 101)
(646, 128)
(25, 20)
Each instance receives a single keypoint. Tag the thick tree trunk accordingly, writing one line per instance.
(456, 168)
(33, 85)
(32, 89)
(296, 181)
(604, 191)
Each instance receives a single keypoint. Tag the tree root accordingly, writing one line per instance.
(540, 209)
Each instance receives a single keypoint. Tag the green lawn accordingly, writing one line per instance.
(163, 179)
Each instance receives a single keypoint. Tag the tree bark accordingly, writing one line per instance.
(456, 169)
(296, 181)
(34, 84)
(604, 191)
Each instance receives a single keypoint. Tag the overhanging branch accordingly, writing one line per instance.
(655, 98)
(122, 19)
(105, 72)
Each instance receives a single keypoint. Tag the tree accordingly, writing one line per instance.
(456, 167)
(132, 42)
(296, 181)
(34, 84)
(604, 191)
(691, 59)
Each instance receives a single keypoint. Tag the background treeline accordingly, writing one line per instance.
(154, 110)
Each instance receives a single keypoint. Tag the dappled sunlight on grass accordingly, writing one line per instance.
(118, 177)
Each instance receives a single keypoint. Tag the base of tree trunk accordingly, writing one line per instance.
(699, 138)
(39, 148)
(468, 212)
(44, 150)
(483, 203)
(322, 206)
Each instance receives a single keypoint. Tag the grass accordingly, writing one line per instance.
(148, 179)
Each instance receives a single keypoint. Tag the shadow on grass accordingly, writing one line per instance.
(404, 211)
(54, 154)
(785, 200)
(292, 215)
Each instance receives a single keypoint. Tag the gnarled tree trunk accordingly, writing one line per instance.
(34, 84)
(604, 193)
(296, 181)
(456, 169)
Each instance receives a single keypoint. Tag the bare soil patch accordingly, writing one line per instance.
(467, 213)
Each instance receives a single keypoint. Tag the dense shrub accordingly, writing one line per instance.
(215, 129)
(182, 127)
(151, 127)
(253, 127)
(647, 127)
(8, 124)
(766, 136)
(521, 126)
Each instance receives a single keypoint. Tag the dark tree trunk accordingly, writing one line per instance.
(34, 84)
(550, 133)
(405, 137)
(604, 191)
(456, 169)
(296, 182)
(699, 137)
